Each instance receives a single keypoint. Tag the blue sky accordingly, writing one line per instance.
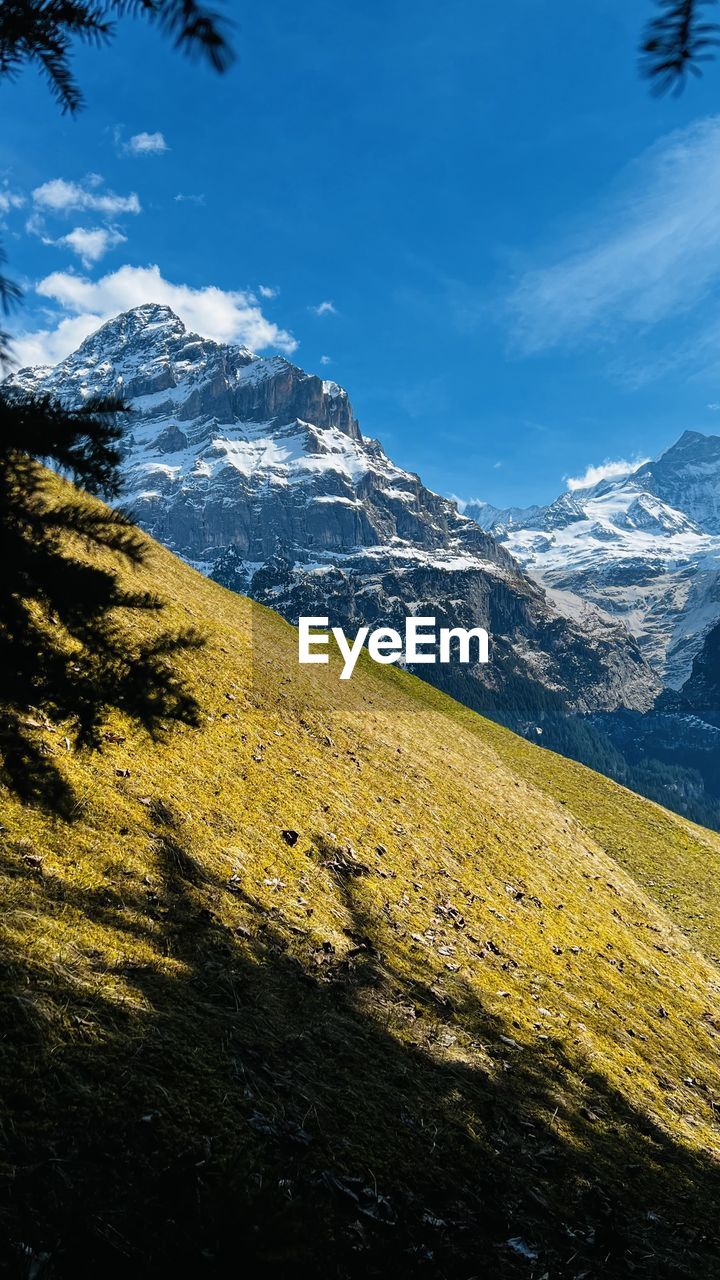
(474, 217)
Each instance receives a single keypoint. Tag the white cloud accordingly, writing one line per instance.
(146, 144)
(325, 360)
(608, 470)
(47, 346)
(59, 196)
(35, 226)
(267, 291)
(226, 315)
(326, 308)
(91, 243)
(651, 252)
(10, 200)
(182, 198)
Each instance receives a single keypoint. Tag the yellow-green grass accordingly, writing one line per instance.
(674, 859)
(355, 980)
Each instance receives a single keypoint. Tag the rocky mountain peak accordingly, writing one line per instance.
(143, 317)
(687, 477)
(150, 325)
(690, 449)
(693, 440)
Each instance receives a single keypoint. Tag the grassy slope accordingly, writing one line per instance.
(675, 860)
(467, 1006)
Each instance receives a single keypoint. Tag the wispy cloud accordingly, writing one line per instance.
(145, 144)
(10, 200)
(59, 196)
(267, 291)
(227, 316)
(326, 308)
(465, 504)
(325, 360)
(183, 197)
(611, 469)
(652, 251)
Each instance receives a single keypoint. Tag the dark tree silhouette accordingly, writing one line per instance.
(66, 653)
(40, 32)
(676, 42)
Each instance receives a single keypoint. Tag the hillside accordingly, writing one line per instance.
(351, 982)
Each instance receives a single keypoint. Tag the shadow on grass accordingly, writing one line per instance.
(255, 1111)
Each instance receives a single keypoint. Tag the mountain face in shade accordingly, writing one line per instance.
(257, 473)
(645, 548)
(701, 691)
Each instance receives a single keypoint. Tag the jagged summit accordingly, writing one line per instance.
(691, 448)
(152, 326)
(138, 320)
(146, 313)
(693, 439)
(113, 353)
(687, 477)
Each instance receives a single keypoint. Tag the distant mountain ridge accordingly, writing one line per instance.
(258, 474)
(645, 548)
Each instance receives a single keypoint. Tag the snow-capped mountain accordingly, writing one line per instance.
(644, 548)
(258, 474)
